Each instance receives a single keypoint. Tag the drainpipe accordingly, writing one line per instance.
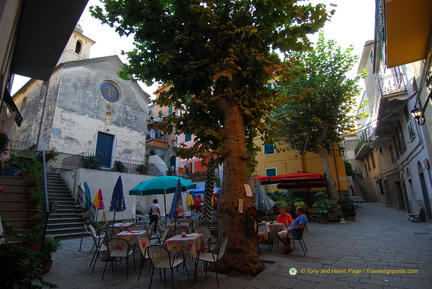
(42, 115)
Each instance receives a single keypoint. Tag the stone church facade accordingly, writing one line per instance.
(85, 107)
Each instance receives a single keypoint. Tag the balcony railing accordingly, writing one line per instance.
(119, 164)
(391, 84)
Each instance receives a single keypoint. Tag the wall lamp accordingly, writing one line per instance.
(419, 113)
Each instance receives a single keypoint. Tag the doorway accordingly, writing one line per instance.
(104, 149)
(425, 196)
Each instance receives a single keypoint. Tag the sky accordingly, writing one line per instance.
(352, 24)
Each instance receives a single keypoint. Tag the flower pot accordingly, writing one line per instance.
(323, 221)
(33, 246)
(24, 174)
(46, 265)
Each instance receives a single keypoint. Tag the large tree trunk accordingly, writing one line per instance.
(242, 253)
(331, 185)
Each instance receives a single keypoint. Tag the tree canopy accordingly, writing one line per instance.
(216, 58)
(317, 105)
(206, 51)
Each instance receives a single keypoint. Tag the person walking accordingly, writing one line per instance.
(154, 213)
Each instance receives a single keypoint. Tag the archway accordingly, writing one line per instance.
(425, 194)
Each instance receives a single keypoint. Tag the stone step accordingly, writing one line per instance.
(4, 205)
(72, 219)
(56, 232)
(68, 203)
(63, 226)
(70, 234)
(357, 199)
(18, 213)
(61, 213)
(19, 224)
(65, 221)
(13, 196)
(12, 181)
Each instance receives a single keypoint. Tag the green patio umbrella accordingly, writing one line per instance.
(161, 185)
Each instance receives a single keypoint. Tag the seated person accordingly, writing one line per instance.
(294, 230)
(261, 232)
(284, 217)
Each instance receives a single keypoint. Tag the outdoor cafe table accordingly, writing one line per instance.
(123, 226)
(263, 230)
(190, 243)
(131, 236)
(179, 225)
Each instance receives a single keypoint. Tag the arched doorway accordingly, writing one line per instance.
(424, 191)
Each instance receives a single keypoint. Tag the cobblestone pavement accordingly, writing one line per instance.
(381, 249)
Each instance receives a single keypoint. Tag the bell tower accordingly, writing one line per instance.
(77, 48)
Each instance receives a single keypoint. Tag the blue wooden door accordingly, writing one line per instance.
(104, 149)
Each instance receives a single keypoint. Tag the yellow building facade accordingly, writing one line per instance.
(276, 159)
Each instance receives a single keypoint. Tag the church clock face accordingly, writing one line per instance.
(110, 92)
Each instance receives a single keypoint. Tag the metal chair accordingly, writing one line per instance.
(177, 231)
(143, 243)
(205, 231)
(111, 232)
(300, 239)
(165, 235)
(98, 244)
(161, 258)
(207, 256)
(153, 232)
(119, 248)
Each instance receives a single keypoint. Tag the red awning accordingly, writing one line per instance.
(295, 180)
(262, 178)
(296, 176)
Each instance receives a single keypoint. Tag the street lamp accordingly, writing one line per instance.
(341, 150)
(419, 113)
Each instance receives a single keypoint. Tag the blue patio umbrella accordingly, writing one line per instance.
(177, 203)
(201, 189)
(117, 200)
(263, 201)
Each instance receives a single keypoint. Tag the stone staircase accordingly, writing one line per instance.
(15, 203)
(65, 220)
(369, 193)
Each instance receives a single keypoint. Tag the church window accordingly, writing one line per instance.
(78, 47)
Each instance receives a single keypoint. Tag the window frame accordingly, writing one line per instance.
(265, 146)
(274, 169)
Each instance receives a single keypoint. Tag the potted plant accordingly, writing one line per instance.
(31, 239)
(348, 208)
(18, 164)
(90, 162)
(51, 155)
(20, 267)
(323, 207)
(142, 168)
(50, 246)
(119, 167)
